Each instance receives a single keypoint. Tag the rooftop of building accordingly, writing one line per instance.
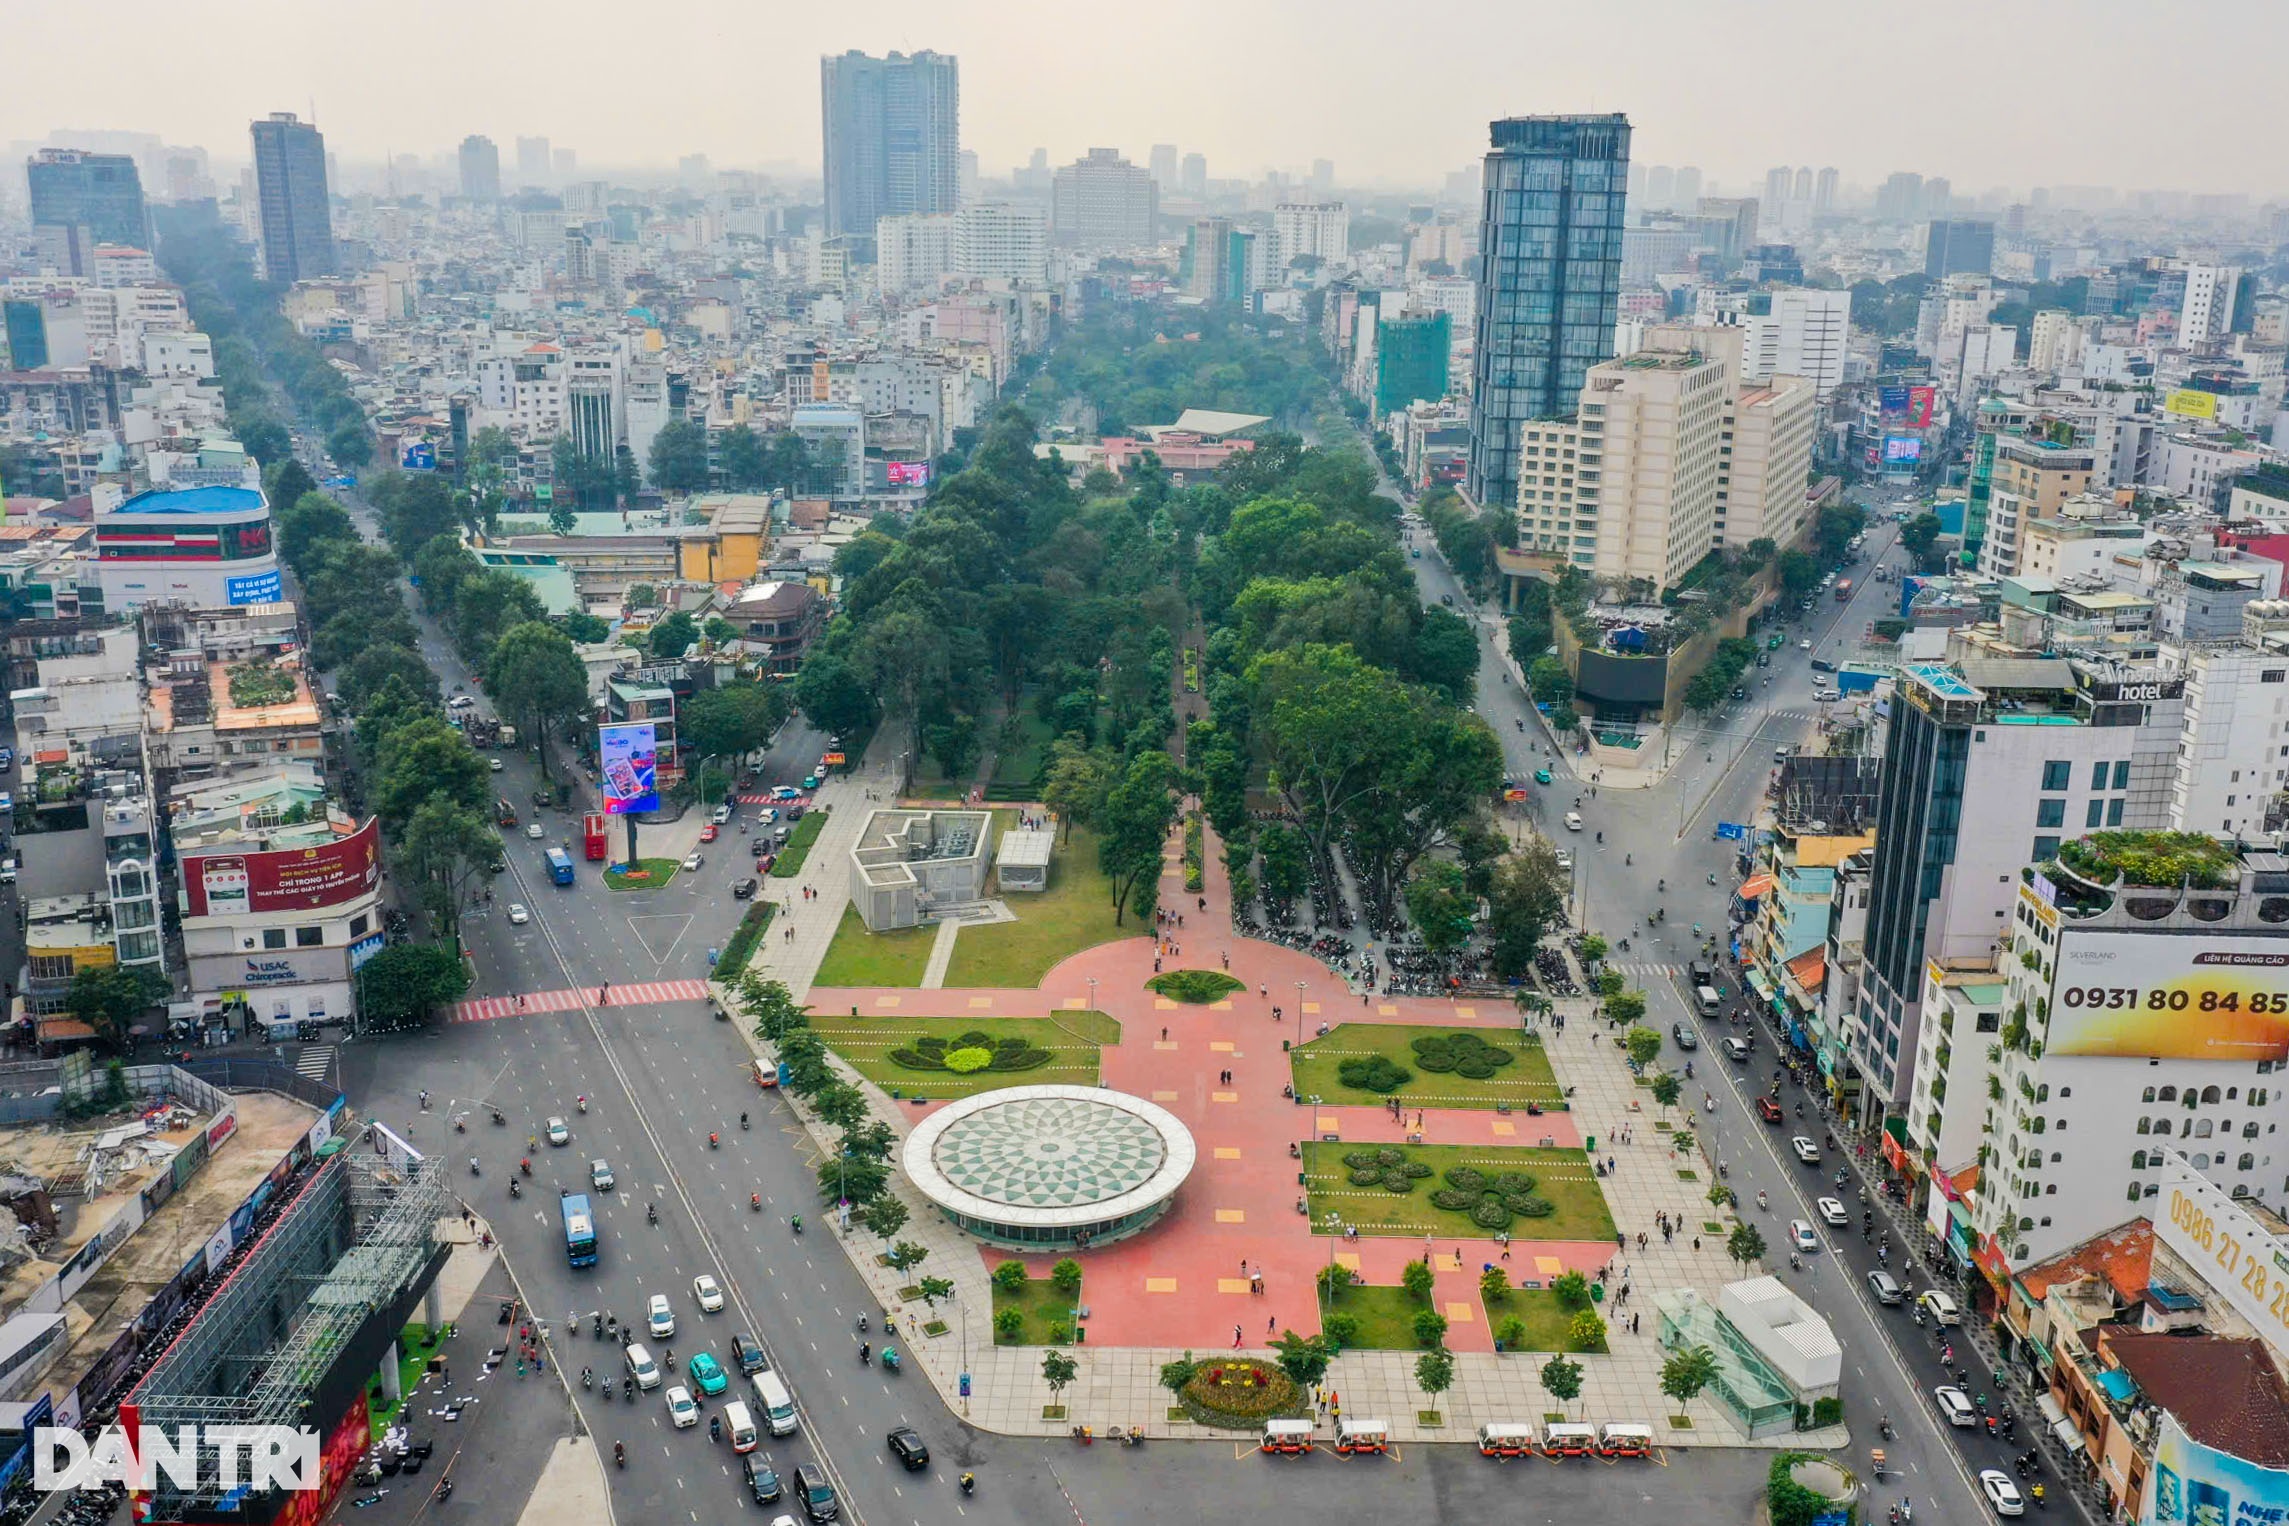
(2122, 1256)
(2225, 1391)
(191, 501)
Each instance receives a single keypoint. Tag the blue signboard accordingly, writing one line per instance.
(1731, 830)
(258, 588)
(421, 457)
(1893, 401)
(365, 948)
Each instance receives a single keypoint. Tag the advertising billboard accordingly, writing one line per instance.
(1902, 450)
(1920, 401)
(2244, 1262)
(258, 588)
(289, 879)
(419, 457)
(907, 473)
(1893, 401)
(2192, 405)
(2197, 1485)
(2171, 996)
(630, 759)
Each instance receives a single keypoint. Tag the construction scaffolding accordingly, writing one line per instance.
(293, 1334)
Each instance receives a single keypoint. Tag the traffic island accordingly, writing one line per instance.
(643, 874)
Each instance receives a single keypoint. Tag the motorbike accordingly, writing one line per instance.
(619, 1454)
(714, 1143)
(587, 1377)
(583, 1103)
(890, 1359)
(865, 1354)
(500, 1118)
(651, 1213)
(515, 1190)
(755, 1201)
(715, 1427)
(525, 1166)
(969, 1483)
(743, 1121)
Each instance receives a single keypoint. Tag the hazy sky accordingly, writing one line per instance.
(1986, 92)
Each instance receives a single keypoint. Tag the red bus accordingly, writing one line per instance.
(1843, 590)
(592, 827)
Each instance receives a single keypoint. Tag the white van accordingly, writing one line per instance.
(777, 1404)
(741, 1423)
(641, 1367)
(1940, 1307)
(1707, 999)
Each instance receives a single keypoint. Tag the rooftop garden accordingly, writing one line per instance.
(2163, 859)
(256, 684)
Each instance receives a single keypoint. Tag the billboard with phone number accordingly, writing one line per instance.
(629, 757)
(2197, 1485)
(2191, 997)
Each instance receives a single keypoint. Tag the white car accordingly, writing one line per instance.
(518, 916)
(1831, 1211)
(659, 1318)
(768, 814)
(681, 1410)
(461, 702)
(558, 1132)
(494, 764)
(1804, 645)
(2001, 1492)
(535, 831)
(1806, 1150)
(600, 1175)
(1573, 821)
(710, 1296)
(1954, 1406)
(692, 860)
(722, 815)
(1736, 1050)
(641, 1367)
(1801, 1236)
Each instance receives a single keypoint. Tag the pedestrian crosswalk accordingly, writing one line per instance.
(650, 993)
(1645, 970)
(316, 1063)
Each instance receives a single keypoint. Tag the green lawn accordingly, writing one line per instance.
(648, 874)
(1074, 913)
(1526, 1079)
(1386, 1317)
(860, 958)
(1544, 1316)
(1042, 1306)
(867, 1041)
(1024, 743)
(798, 846)
(1562, 1176)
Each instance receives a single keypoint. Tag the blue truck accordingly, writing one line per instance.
(559, 866)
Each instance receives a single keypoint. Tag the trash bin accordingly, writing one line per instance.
(1590, 1143)
(1597, 1292)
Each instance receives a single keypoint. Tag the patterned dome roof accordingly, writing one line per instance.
(1050, 1152)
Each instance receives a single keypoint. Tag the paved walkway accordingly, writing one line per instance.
(1181, 1286)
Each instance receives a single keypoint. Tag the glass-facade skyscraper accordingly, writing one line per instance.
(893, 138)
(1549, 282)
(290, 184)
(99, 192)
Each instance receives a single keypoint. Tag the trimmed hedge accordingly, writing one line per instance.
(969, 1053)
(1465, 1054)
(1195, 988)
(1373, 1073)
(1491, 1201)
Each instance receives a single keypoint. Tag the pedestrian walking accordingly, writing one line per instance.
(1696, 1242)
(1235, 1337)
(1164, 1035)
(1273, 1325)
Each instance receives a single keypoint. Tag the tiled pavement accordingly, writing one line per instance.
(1237, 1205)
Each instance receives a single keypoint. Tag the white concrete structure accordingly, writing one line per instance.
(1786, 333)
(1022, 861)
(1760, 486)
(2230, 764)
(2054, 342)
(1043, 1167)
(908, 867)
(1787, 1332)
(1321, 229)
(999, 241)
(2208, 309)
(914, 251)
(1102, 202)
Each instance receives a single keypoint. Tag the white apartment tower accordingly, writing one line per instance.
(914, 251)
(2230, 763)
(2208, 310)
(1321, 229)
(997, 241)
(1103, 202)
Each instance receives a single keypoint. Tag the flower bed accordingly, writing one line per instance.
(969, 1053)
(1239, 1394)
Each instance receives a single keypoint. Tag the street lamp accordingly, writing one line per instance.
(1092, 993)
(1299, 1009)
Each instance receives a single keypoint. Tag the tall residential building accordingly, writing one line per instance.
(1102, 202)
(2053, 342)
(966, 176)
(1163, 166)
(2207, 310)
(290, 189)
(1411, 360)
(99, 192)
(480, 168)
(2031, 479)
(1549, 280)
(892, 130)
(1900, 198)
(1688, 187)
(567, 163)
(913, 251)
(1958, 245)
(2231, 768)
(996, 241)
(532, 161)
(1195, 174)
(1769, 427)
(1796, 333)
(1824, 187)
(1321, 229)
(1661, 186)
(1222, 263)
(1778, 183)
(1989, 764)
(1323, 175)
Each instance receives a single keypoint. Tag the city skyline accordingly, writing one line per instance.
(749, 92)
